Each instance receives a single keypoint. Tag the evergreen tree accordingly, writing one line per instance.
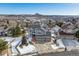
(77, 34)
(49, 24)
(3, 45)
(24, 40)
(16, 31)
(59, 24)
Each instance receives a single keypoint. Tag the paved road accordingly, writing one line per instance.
(65, 53)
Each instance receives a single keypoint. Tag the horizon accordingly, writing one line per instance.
(40, 8)
(39, 14)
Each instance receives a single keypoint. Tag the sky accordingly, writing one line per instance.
(41, 8)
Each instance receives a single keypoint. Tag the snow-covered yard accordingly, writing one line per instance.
(60, 43)
(26, 49)
(59, 46)
(71, 44)
(16, 41)
(54, 46)
(14, 51)
(66, 44)
(8, 39)
(14, 44)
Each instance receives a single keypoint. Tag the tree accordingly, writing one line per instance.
(23, 32)
(23, 41)
(73, 21)
(7, 21)
(3, 45)
(16, 31)
(27, 24)
(59, 24)
(11, 31)
(77, 34)
(49, 24)
(5, 27)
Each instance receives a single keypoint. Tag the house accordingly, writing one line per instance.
(55, 31)
(39, 34)
(69, 28)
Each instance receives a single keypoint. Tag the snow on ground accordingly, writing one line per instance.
(26, 49)
(53, 35)
(14, 51)
(71, 44)
(16, 41)
(8, 39)
(14, 44)
(54, 47)
(30, 38)
(60, 43)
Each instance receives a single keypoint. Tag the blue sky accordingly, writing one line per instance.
(42, 8)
